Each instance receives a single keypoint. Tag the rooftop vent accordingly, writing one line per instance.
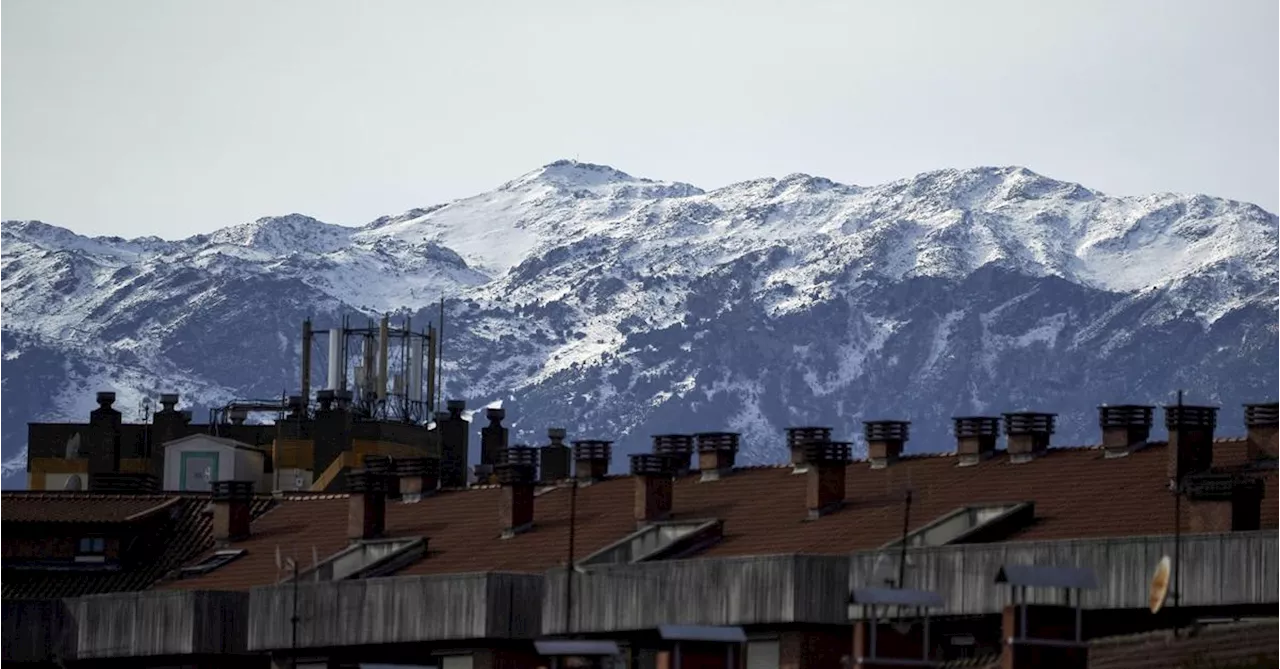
(799, 437)
(1125, 428)
(417, 477)
(676, 447)
(1190, 438)
(1260, 422)
(885, 441)
(517, 472)
(1028, 434)
(717, 452)
(653, 496)
(976, 438)
(554, 457)
(591, 459)
(824, 492)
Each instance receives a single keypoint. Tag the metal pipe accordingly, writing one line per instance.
(384, 345)
(569, 567)
(431, 368)
(440, 357)
(415, 369)
(335, 359)
(902, 556)
(306, 360)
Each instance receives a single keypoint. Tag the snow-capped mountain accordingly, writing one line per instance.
(621, 307)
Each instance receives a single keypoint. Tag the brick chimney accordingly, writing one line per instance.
(678, 449)
(516, 473)
(418, 478)
(367, 507)
(800, 437)
(975, 438)
(232, 510)
(591, 459)
(455, 438)
(885, 441)
(493, 437)
(1125, 428)
(1223, 502)
(716, 454)
(825, 477)
(653, 477)
(554, 457)
(1027, 435)
(1190, 439)
(1260, 421)
(103, 437)
(1042, 635)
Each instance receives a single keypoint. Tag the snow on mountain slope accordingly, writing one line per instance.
(621, 306)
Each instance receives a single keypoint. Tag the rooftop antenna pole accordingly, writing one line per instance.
(440, 356)
(293, 643)
(569, 566)
(902, 554)
(1177, 535)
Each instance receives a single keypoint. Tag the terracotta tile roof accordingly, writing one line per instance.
(79, 508)
(1077, 494)
(1242, 644)
(168, 542)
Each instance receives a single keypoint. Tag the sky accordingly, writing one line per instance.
(175, 117)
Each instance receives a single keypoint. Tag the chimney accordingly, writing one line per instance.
(516, 474)
(455, 440)
(800, 437)
(103, 438)
(716, 454)
(493, 437)
(1027, 435)
(382, 465)
(237, 416)
(325, 399)
(555, 457)
(297, 407)
(976, 438)
(418, 478)
(1190, 439)
(367, 507)
(232, 502)
(678, 449)
(1260, 421)
(1223, 502)
(652, 474)
(342, 399)
(166, 425)
(885, 439)
(825, 477)
(591, 459)
(1042, 635)
(1125, 428)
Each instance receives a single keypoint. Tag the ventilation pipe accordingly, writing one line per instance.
(334, 382)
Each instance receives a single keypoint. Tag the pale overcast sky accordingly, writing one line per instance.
(140, 117)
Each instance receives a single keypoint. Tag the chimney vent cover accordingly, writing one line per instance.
(1029, 423)
(519, 455)
(592, 449)
(1126, 415)
(717, 442)
(886, 430)
(1260, 415)
(648, 464)
(1187, 416)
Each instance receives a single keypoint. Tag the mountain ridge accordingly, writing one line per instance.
(580, 294)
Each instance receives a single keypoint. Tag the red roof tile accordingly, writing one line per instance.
(79, 507)
(1077, 494)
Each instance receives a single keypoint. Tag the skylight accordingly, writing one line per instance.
(972, 524)
(367, 559)
(660, 541)
(212, 562)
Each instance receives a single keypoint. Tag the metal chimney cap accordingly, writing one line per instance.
(106, 397)
(456, 405)
(495, 414)
(556, 433)
(168, 398)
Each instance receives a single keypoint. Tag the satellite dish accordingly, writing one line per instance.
(1160, 585)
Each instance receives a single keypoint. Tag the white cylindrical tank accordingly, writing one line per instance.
(335, 359)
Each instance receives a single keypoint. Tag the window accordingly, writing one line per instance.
(212, 562)
(91, 549)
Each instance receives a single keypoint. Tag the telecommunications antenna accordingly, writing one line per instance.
(1159, 591)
